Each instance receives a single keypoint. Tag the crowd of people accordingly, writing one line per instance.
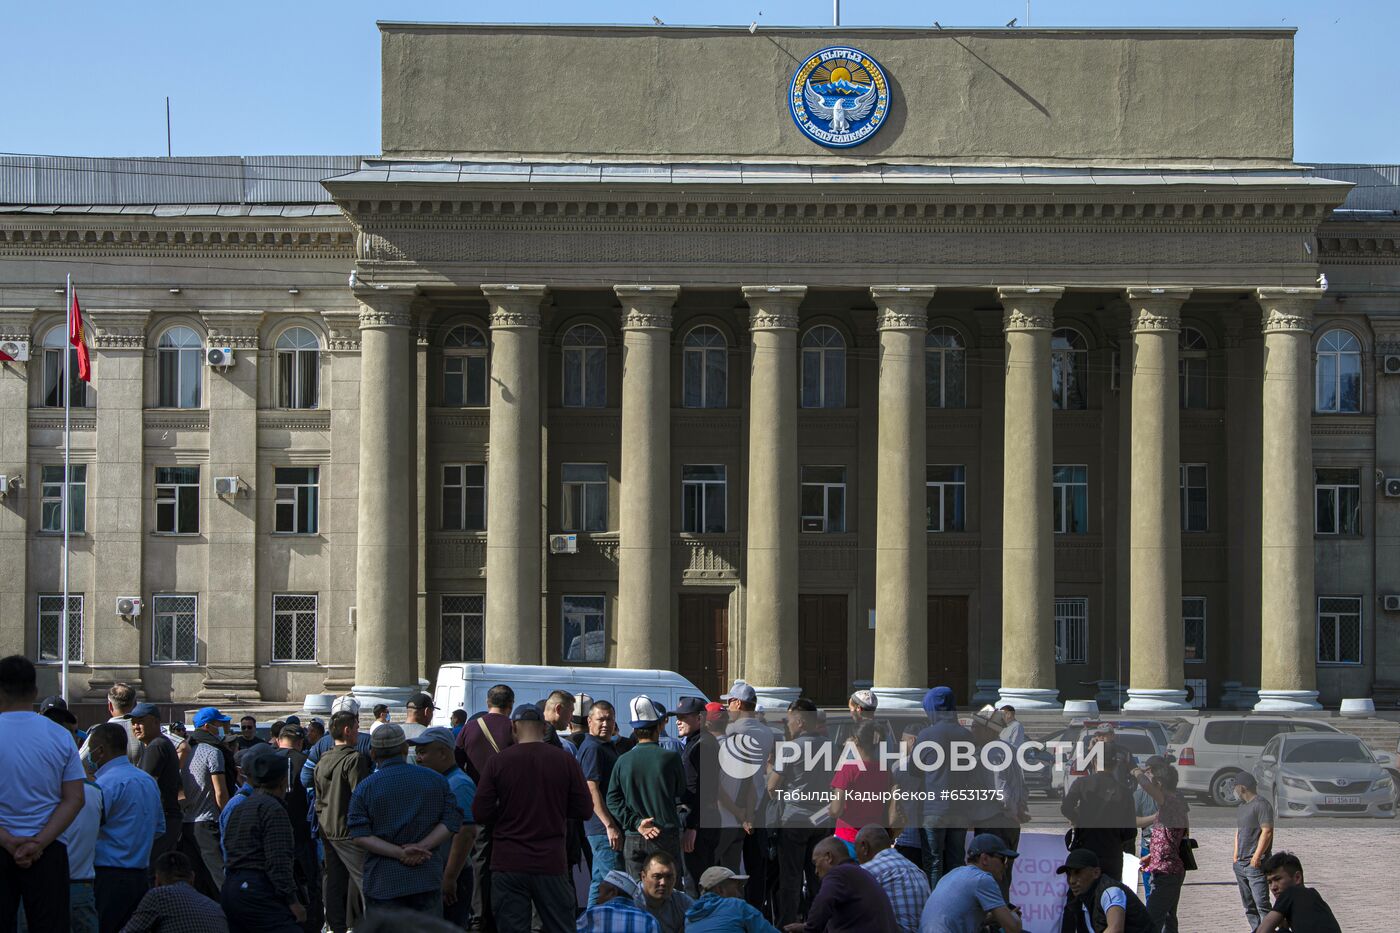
(483, 824)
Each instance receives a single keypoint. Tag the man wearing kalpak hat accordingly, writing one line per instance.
(646, 789)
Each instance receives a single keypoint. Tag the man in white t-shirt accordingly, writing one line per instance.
(42, 779)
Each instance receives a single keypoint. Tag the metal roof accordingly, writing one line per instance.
(1376, 191)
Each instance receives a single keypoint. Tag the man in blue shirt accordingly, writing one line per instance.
(345, 704)
(967, 896)
(435, 752)
(943, 841)
(131, 822)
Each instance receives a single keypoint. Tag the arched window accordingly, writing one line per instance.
(464, 368)
(823, 368)
(1192, 369)
(61, 370)
(705, 369)
(585, 367)
(1069, 365)
(298, 368)
(179, 369)
(945, 369)
(1339, 372)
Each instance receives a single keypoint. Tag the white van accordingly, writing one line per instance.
(464, 686)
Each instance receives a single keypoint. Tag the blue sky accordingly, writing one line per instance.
(302, 76)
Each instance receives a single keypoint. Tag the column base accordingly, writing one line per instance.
(102, 678)
(1141, 698)
(776, 698)
(1287, 701)
(223, 689)
(900, 697)
(1032, 698)
(393, 697)
(985, 690)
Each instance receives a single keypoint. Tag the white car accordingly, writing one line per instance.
(1305, 774)
(1211, 750)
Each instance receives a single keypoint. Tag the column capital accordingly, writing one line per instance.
(389, 306)
(237, 329)
(1028, 307)
(1287, 309)
(15, 323)
(118, 330)
(902, 307)
(647, 307)
(774, 307)
(516, 305)
(1155, 307)
(342, 329)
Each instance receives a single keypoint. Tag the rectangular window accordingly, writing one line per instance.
(945, 497)
(1193, 623)
(464, 380)
(294, 627)
(175, 629)
(464, 497)
(585, 496)
(1071, 500)
(297, 496)
(1194, 497)
(60, 373)
(824, 499)
(703, 499)
(177, 500)
(585, 628)
(50, 623)
(1071, 630)
(463, 628)
(1339, 630)
(1338, 502)
(51, 506)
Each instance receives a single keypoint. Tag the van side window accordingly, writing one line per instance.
(1224, 733)
(1258, 732)
(1301, 725)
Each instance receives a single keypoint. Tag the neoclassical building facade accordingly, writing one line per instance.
(1068, 382)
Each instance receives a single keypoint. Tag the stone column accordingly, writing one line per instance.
(1028, 530)
(386, 536)
(770, 591)
(15, 611)
(1288, 666)
(1156, 678)
(644, 564)
(901, 527)
(339, 494)
(514, 522)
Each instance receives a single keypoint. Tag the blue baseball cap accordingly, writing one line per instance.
(207, 715)
(144, 709)
(526, 712)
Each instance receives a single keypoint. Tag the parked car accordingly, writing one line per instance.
(1313, 774)
(1211, 750)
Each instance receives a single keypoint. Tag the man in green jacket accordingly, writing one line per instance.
(337, 773)
(646, 786)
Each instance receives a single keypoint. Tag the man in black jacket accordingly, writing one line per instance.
(1097, 901)
(1100, 808)
(700, 755)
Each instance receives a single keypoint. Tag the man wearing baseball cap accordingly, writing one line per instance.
(160, 761)
(722, 908)
(744, 800)
(967, 896)
(209, 783)
(700, 757)
(261, 892)
(1254, 841)
(435, 746)
(1103, 902)
(419, 716)
(616, 910)
(647, 785)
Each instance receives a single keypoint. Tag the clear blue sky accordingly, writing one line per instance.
(302, 76)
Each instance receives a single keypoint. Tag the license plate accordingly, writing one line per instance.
(1340, 800)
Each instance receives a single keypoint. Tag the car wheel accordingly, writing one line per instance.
(1222, 789)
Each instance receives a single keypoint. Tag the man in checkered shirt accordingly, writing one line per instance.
(616, 910)
(173, 906)
(904, 882)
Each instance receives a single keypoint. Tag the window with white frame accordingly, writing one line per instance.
(705, 369)
(945, 369)
(177, 500)
(1193, 624)
(179, 368)
(584, 626)
(294, 627)
(1071, 630)
(463, 628)
(298, 369)
(61, 371)
(824, 499)
(174, 629)
(51, 623)
(1338, 493)
(1195, 501)
(1338, 372)
(51, 504)
(703, 493)
(585, 496)
(1070, 499)
(298, 498)
(823, 368)
(1192, 367)
(1339, 630)
(945, 497)
(585, 367)
(1069, 369)
(464, 497)
(464, 368)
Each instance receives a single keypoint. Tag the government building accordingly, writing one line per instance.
(1027, 362)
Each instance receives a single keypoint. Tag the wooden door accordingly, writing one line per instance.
(704, 642)
(821, 626)
(947, 645)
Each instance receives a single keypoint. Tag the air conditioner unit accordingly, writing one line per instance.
(227, 485)
(1390, 364)
(129, 606)
(219, 356)
(563, 544)
(18, 350)
(1391, 602)
(1392, 487)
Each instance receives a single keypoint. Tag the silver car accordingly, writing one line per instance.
(1324, 775)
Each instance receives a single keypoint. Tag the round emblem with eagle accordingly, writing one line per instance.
(839, 97)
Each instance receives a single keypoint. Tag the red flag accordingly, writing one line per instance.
(77, 339)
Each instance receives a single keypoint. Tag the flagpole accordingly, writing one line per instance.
(67, 476)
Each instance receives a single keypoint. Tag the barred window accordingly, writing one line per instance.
(704, 369)
(1339, 630)
(823, 368)
(297, 495)
(51, 506)
(174, 631)
(294, 627)
(945, 497)
(703, 498)
(50, 622)
(945, 369)
(177, 500)
(585, 628)
(298, 369)
(1193, 623)
(1071, 630)
(464, 497)
(179, 369)
(585, 496)
(463, 628)
(464, 368)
